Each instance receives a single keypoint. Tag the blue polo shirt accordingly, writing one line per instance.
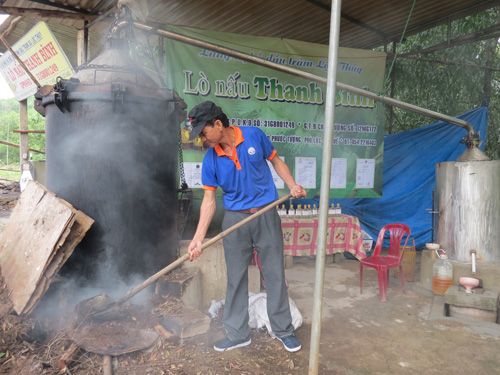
(244, 177)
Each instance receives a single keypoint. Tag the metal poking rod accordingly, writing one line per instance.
(312, 77)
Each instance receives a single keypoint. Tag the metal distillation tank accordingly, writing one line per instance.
(468, 200)
(112, 152)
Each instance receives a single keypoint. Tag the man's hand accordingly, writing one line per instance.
(194, 249)
(298, 192)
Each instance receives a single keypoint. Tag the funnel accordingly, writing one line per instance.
(468, 283)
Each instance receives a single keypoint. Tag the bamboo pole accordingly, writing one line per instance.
(28, 131)
(14, 145)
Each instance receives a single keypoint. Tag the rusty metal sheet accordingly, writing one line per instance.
(113, 338)
(364, 24)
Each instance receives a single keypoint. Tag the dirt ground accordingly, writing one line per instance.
(359, 335)
(51, 343)
(409, 334)
(31, 345)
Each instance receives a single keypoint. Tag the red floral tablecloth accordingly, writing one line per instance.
(343, 234)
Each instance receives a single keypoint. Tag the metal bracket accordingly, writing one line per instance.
(61, 90)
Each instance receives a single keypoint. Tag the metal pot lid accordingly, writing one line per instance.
(113, 338)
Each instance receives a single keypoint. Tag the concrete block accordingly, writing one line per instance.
(457, 312)
(183, 283)
(212, 266)
(182, 320)
(488, 273)
(334, 258)
(253, 280)
(480, 299)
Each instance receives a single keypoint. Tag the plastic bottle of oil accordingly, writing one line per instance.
(442, 275)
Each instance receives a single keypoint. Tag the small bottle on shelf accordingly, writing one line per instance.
(339, 210)
(291, 212)
(314, 210)
(299, 211)
(308, 212)
(331, 210)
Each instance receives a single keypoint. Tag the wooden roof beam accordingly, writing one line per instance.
(61, 6)
(44, 13)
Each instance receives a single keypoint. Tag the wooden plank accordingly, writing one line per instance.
(36, 242)
(81, 225)
(53, 264)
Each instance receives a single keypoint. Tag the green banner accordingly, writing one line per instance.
(289, 109)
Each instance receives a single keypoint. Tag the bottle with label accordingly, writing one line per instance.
(339, 210)
(291, 212)
(331, 210)
(283, 211)
(298, 212)
(306, 211)
(314, 210)
(442, 273)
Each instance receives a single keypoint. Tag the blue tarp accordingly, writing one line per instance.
(409, 176)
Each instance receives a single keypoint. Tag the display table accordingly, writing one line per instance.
(343, 234)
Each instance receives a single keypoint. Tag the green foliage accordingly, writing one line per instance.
(14, 175)
(9, 120)
(36, 140)
(451, 80)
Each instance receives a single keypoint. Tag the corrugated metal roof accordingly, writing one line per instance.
(365, 24)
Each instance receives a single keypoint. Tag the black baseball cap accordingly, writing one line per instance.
(200, 115)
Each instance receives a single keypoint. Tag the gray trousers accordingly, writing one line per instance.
(265, 235)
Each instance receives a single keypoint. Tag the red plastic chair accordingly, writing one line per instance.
(383, 263)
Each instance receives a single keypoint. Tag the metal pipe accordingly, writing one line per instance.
(286, 69)
(325, 187)
(473, 256)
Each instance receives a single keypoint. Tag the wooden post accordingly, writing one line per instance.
(82, 43)
(488, 73)
(393, 88)
(161, 55)
(23, 137)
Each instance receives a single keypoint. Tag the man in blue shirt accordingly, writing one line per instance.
(236, 161)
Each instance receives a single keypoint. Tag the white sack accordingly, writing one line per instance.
(257, 310)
